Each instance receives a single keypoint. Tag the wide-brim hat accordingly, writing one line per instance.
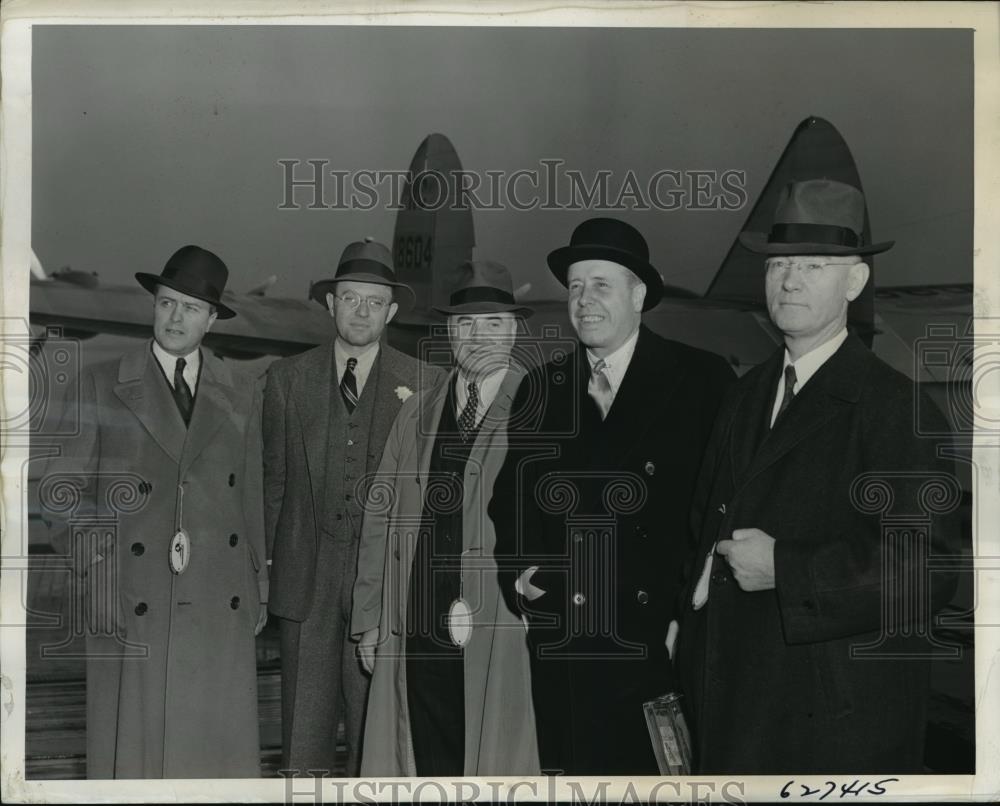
(193, 271)
(816, 217)
(618, 242)
(485, 287)
(365, 261)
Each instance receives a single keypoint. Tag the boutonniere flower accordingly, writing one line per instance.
(403, 392)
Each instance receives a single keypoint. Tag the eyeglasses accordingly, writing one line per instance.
(809, 268)
(353, 301)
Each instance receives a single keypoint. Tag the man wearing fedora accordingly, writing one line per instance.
(327, 413)
(591, 508)
(169, 453)
(451, 692)
(805, 640)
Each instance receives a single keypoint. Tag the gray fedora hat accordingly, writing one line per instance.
(485, 287)
(365, 261)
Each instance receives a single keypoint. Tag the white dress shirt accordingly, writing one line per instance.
(364, 367)
(168, 363)
(487, 386)
(806, 367)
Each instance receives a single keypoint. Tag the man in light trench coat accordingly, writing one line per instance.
(450, 692)
(168, 542)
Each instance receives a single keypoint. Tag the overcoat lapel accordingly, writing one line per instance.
(212, 408)
(751, 417)
(143, 389)
(837, 382)
(652, 378)
(430, 415)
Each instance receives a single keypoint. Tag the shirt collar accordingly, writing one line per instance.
(808, 364)
(616, 364)
(168, 362)
(365, 362)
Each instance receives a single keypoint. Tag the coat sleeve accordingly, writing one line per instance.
(366, 609)
(852, 580)
(253, 490)
(72, 476)
(273, 454)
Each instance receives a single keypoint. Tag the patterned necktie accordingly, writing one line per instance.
(790, 381)
(349, 386)
(599, 388)
(467, 420)
(182, 392)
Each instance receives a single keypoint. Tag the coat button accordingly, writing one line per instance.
(234, 539)
(642, 597)
(650, 468)
(145, 487)
(579, 599)
(640, 530)
(350, 458)
(577, 537)
(232, 479)
(235, 603)
(141, 608)
(350, 442)
(138, 549)
(722, 509)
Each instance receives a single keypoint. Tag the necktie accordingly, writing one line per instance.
(467, 420)
(182, 392)
(349, 386)
(599, 388)
(790, 381)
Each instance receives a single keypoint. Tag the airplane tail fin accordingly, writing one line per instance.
(434, 233)
(815, 150)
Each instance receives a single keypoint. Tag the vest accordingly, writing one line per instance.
(347, 457)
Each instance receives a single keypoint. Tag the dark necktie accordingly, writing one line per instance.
(182, 392)
(599, 388)
(790, 381)
(349, 386)
(467, 420)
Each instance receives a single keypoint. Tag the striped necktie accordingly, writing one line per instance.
(349, 386)
(790, 381)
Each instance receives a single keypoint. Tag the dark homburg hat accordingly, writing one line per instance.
(365, 261)
(816, 217)
(193, 271)
(485, 287)
(618, 242)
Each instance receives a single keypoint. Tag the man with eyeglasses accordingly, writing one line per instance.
(806, 631)
(327, 413)
(451, 691)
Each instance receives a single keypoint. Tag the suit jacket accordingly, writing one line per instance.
(602, 509)
(778, 680)
(499, 719)
(175, 693)
(296, 417)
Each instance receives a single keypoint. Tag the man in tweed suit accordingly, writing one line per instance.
(327, 413)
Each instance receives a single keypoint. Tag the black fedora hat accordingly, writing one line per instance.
(365, 261)
(816, 217)
(485, 287)
(193, 271)
(618, 242)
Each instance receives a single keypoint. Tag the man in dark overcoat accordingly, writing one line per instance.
(806, 635)
(169, 456)
(327, 414)
(591, 506)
